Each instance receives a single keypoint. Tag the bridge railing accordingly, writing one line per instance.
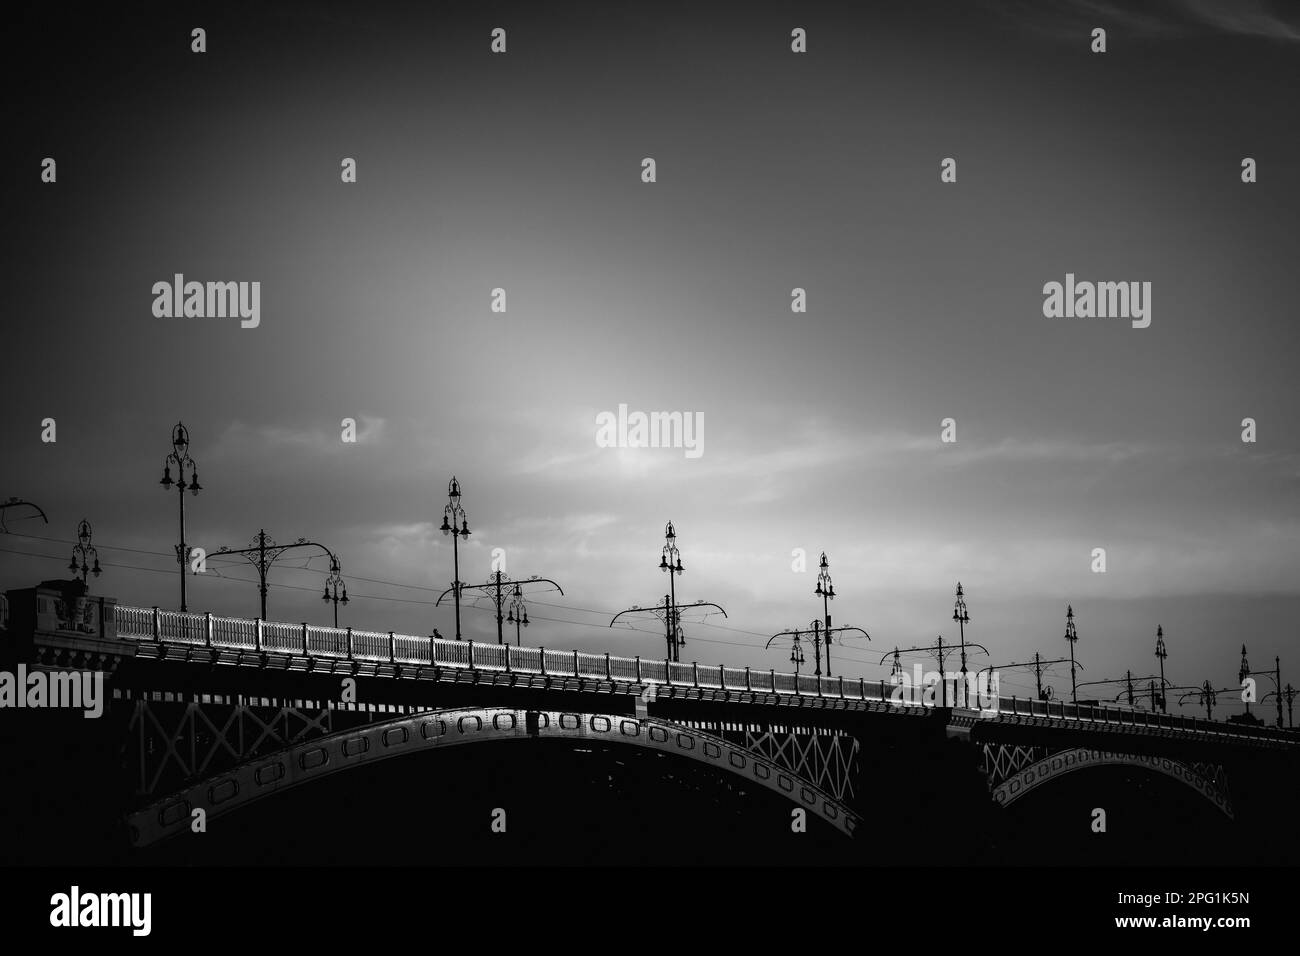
(527, 659)
(240, 634)
(371, 645)
(181, 628)
(278, 636)
(134, 621)
(736, 677)
(1132, 717)
(412, 650)
(655, 671)
(234, 632)
(624, 668)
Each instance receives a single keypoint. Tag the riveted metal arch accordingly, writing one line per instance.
(312, 760)
(1021, 782)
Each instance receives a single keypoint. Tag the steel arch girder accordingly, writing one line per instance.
(320, 757)
(1027, 768)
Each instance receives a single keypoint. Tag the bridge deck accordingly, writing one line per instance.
(304, 647)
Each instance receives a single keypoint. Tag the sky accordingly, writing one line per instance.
(774, 171)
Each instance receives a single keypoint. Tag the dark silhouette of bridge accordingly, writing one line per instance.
(215, 714)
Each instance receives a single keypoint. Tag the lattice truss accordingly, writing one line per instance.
(173, 744)
(1002, 761)
(1214, 773)
(830, 761)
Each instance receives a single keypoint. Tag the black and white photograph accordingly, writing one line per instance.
(602, 444)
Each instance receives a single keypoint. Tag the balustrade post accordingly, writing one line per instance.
(157, 625)
(541, 653)
(1015, 706)
(841, 687)
(774, 680)
(471, 654)
(668, 673)
(392, 648)
(638, 668)
(349, 643)
(747, 681)
(862, 689)
(608, 676)
(576, 672)
(306, 647)
(257, 636)
(207, 628)
(507, 647)
(695, 673)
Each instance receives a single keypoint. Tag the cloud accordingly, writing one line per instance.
(245, 438)
(1164, 19)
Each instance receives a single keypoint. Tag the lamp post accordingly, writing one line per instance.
(826, 591)
(85, 550)
(962, 618)
(796, 657)
(518, 615)
(1072, 636)
(1208, 696)
(1288, 693)
(450, 512)
(1242, 673)
(794, 645)
(180, 457)
(671, 563)
(896, 672)
(1161, 654)
(332, 585)
(1275, 675)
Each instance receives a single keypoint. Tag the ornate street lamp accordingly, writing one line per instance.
(962, 618)
(1161, 654)
(670, 562)
(332, 585)
(1072, 636)
(86, 551)
(452, 512)
(180, 457)
(518, 615)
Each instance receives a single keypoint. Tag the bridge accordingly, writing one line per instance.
(218, 713)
